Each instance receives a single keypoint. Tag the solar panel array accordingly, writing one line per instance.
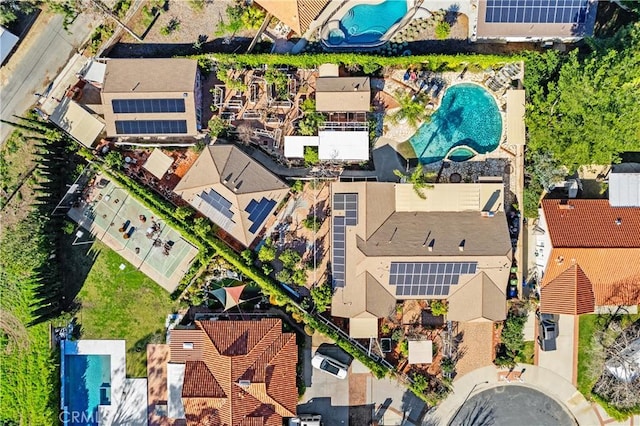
(427, 278)
(258, 212)
(146, 106)
(349, 204)
(537, 11)
(141, 127)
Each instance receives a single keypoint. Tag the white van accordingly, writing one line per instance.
(306, 420)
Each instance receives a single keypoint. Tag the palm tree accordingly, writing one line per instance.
(412, 109)
(417, 178)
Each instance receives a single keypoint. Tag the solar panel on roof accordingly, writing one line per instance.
(349, 204)
(427, 278)
(147, 106)
(142, 127)
(258, 212)
(217, 202)
(537, 11)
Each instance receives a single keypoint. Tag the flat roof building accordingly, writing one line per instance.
(152, 98)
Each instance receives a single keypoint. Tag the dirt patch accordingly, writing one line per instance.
(476, 349)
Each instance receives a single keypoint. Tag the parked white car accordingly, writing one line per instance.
(329, 365)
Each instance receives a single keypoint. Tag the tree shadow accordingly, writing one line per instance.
(169, 50)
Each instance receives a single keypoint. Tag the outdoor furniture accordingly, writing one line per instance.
(218, 93)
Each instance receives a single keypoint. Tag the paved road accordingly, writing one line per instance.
(42, 54)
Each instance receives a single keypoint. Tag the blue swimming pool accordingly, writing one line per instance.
(367, 23)
(468, 115)
(87, 385)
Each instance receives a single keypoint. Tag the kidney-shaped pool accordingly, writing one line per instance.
(467, 116)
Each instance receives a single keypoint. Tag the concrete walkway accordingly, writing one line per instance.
(541, 379)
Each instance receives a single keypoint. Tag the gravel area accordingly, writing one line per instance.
(476, 348)
(194, 26)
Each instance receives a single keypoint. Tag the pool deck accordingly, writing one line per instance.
(128, 396)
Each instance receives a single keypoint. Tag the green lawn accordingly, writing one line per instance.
(585, 379)
(119, 304)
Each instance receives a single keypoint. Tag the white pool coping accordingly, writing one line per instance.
(116, 350)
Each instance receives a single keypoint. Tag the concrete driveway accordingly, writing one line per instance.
(563, 361)
(41, 55)
(360, 398)
(325, 394)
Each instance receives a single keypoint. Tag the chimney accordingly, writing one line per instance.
(461, 245)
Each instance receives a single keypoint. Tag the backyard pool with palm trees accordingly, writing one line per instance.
(467, 117)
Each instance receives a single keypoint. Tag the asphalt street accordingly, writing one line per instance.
(41, 55)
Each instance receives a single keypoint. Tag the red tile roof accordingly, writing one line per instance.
(591, 223)
(225, 352)
(613, 273)
(569, 293)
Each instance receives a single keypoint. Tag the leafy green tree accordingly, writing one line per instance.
(202, 227)
(289, 258)
(299, 277)
(218, 127)
(267, 252)
(312, 223)
(68, 227)
(417, 178)
(513, 333)
(588, 112)
(412, 110)
(284, 276)
(114, 160)
(311, 156)
(322, 296)
(297, 186)
(240, 17)
(438, 307)
(267, 269)
(247, 255)
(183, 213)
(443, 29)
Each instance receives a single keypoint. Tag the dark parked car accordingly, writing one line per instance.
(547, 331)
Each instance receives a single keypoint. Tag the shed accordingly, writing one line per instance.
(158, 163)
(7, 43)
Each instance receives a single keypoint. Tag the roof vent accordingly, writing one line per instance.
(244, 383)
(565, 207)
(619, 221)
(431, 244)
(187, 345)
(559, 260)
(461, 245)
(235, 189)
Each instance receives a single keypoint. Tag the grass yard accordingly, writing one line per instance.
(119, 304)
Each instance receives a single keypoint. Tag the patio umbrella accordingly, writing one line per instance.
(229, 296)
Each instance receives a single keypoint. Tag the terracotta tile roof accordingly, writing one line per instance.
(613, 273)
(569, 293)
(591, 223)
(297, 14)
(230, 351)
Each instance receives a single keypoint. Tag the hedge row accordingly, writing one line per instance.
(369, 63)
